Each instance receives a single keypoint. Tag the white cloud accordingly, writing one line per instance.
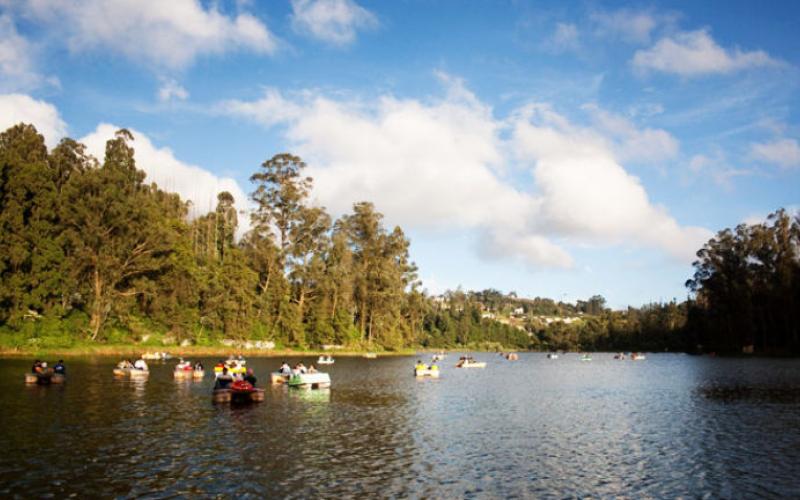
(191, 182)
(167, 34)
(436, 164)
(16, 108)
(583, 192)
(782, 152)
(332, 21)
(631, 26)
(17, 66)
(564, 39)
(632, 143)
(695, 53)
(170, 89)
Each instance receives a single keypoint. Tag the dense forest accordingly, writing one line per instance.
(92, 253)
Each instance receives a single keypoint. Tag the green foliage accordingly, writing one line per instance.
(747, 288)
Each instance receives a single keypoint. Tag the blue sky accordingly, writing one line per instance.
(556, 149)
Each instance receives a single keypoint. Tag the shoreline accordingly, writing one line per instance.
(176, 351)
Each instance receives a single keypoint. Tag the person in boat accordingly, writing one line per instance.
(60, 369)
(198, 367)
(302, 368)
(285, 369)
(312, 369)
(141, 365)
(37, 367)
(224, 380)
(250, 377)
(420, 366)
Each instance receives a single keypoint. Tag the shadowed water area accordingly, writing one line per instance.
(672, 425)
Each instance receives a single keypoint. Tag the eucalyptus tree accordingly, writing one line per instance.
(114, 230)
(29, 251)
(280, 195)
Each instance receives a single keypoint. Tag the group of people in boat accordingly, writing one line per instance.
(420, 366)
(635, 356)
(140, 364)
(40, 368)
(188, 366)
(298, 369)
(225, 378)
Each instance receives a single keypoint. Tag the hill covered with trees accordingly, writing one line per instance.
(92, 253)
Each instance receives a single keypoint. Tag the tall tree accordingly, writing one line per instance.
(280, 194)
(29, 250)
(114, 229)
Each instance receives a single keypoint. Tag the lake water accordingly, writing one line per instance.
(670, 426)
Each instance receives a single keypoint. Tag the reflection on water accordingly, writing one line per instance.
(670, 426)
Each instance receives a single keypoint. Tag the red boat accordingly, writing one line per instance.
(239, 392)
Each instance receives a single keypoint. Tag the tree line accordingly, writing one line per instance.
(91, 252)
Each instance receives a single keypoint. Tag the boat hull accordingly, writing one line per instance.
(480, 364)
(426, 373)
(234, 396)
(310, 380)
(133, 373)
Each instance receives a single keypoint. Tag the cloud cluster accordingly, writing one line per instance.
(782, 152)
(332, 21)
(629, 25)
(166, 34)
(17, 108)
(632, 143)
(565, 38)
(171, 90)
(439, 164)
(695, 53)
(18, 69)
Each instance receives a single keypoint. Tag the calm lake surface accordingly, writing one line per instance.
(670, 426)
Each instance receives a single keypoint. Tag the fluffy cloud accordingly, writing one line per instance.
(170, 89)
(583, 193)
(163, 33)
(192, 182)
(631, 26)
(565, 38)
(16, 108)
(332, 21)
(438, 164)
(782, 152)
(695, 53)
